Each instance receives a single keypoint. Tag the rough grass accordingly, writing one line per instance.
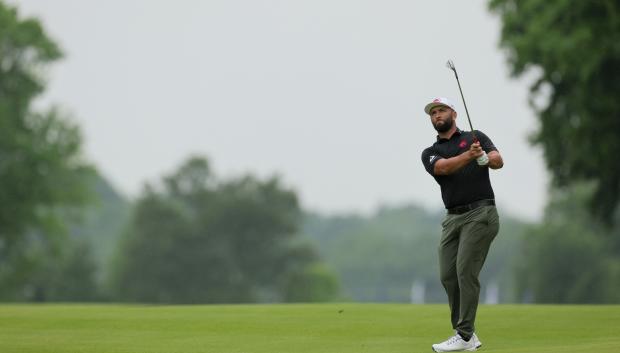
(334, 328)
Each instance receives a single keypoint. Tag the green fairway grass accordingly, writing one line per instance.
(297, 328)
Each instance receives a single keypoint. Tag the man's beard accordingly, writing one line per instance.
(447, 125)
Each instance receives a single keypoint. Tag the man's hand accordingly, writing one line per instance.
(451, 165)
(475, 151)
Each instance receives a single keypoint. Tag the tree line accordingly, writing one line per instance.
(574, 254)
(193, 237)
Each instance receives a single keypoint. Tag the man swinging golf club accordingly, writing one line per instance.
(460, 161)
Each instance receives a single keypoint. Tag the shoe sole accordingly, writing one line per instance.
(478, 346)
(466, 350)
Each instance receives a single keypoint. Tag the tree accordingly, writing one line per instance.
(379, 257)
(576, 47)
(42, 174)
(315, 284)
(569, 258)
(203, 240)
(66, 275)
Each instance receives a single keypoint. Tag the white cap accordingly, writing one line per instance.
(438, 101)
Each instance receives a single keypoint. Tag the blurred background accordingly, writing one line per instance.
(269, 151)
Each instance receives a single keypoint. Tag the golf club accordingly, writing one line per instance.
(450, 65)
(484, 159)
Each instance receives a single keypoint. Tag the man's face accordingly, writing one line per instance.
(442, 118)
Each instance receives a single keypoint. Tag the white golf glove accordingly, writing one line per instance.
(483, 160)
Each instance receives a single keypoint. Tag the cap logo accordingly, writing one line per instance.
(436, 100)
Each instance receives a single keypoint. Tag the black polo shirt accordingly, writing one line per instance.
(468, 184)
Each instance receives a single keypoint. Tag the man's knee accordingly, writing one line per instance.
(468, 279)
(448, 278)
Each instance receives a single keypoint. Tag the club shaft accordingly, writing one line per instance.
(465, 105)
(456, 75)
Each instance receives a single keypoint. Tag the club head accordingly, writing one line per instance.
(450, 65)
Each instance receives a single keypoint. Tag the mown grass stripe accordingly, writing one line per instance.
(299, 328)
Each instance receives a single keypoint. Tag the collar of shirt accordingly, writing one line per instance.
(456, 133)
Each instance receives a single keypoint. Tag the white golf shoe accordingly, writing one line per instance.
(456, 344)
(477, 342)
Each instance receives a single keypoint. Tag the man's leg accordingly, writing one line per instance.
(448, 248)
(478, 231)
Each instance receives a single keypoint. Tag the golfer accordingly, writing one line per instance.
(460, 161)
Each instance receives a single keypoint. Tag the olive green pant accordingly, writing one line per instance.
(464, 245)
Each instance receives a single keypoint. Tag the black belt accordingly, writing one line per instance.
(471, 206)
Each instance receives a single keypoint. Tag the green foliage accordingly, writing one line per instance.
(101, 224)
(571, 257)
(316, 283)
(76, 276)
(378, 258)
(25, 49)
(201, 240)
(576, 46)
(67, 276)
(74, 267)
(42, 172)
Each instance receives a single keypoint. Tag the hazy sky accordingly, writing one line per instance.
(327, 94)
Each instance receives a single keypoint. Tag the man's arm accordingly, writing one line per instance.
(447, 166)
(495, 160)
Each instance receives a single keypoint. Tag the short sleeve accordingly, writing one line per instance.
(485, 142)
(429, 158)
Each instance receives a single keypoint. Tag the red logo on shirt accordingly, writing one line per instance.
(463, 144)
